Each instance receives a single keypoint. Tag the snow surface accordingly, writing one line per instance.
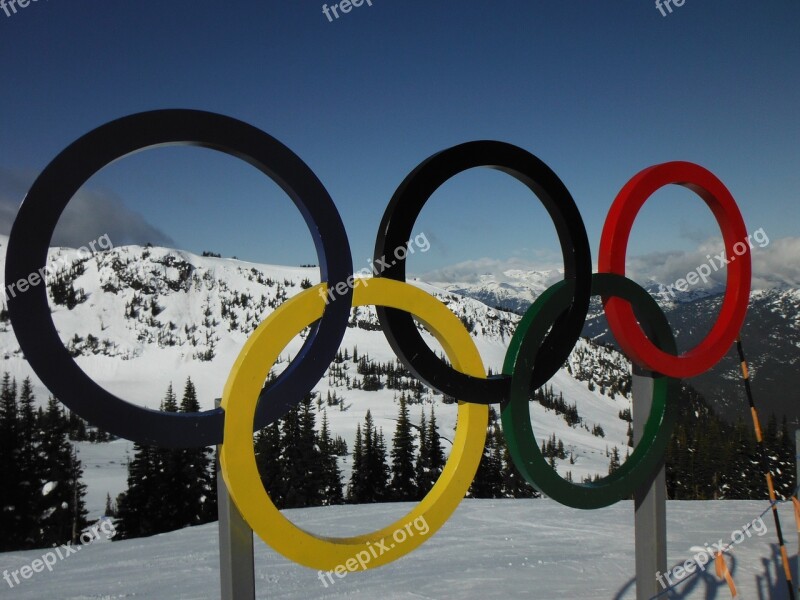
(489, 549)
(105, 472)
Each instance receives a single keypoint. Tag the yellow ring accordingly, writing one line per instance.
(239, 400)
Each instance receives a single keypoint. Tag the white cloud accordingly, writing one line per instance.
(89, 214)
(776, 263)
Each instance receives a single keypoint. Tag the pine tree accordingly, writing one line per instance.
(370, 477)
(10, 511)
(381, 469)
(514, 485)
(435, 450)
(614, 463)
(195, 485)
(355, 487)
(376, 471)
(488, 481)
(168, 488)
(267, 447)
(421, 466)
(29, 467)
(136, 505)
(42, 496)
(331, 481)
(170, 401)
(290, 433)
(77, 427)
(431, 459)
(301, 457)
(111, 508)
(403, 486)
(169, 478)
(63, 495)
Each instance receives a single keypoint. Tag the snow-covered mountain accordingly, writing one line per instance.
(771, 334)
(139, 318)
(516, 289)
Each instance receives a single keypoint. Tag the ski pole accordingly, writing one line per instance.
(770, 486)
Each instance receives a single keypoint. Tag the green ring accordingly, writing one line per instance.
(642, 465)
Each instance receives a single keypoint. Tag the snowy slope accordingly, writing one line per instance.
(489, 549)
(148, 317)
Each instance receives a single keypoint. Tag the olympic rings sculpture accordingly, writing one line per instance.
(541, 343)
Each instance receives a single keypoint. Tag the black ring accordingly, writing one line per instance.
(62, 178)
(396, 229)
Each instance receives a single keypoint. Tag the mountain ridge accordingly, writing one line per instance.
(770, 335)
(139, 318)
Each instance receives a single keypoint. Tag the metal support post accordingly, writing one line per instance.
(650, 501)
(797, 483)
(236, 565)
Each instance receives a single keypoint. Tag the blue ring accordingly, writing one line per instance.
(62, 178)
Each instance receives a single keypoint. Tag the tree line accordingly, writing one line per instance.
(300, 462)
(167, 488)
(709, 458)
(42, 495)
(299, 467)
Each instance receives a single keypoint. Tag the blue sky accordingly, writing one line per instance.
(598, 90)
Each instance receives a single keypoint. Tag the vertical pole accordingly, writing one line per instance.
(650, 501)
(236, 565)
(763, 455)
(796, 484)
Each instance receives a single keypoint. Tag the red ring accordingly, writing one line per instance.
(614, 245)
